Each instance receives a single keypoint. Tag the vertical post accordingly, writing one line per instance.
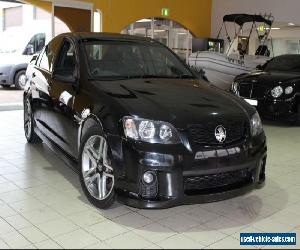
(52, 21)
(131, 29)
(187, 46)
(152, 27)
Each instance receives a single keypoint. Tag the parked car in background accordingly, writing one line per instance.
(140, 124)
(16, 51)
(274, 89)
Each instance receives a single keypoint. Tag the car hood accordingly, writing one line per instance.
(269, 79)
(177, 101)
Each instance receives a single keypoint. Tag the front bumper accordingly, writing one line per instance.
(5, 75)
(285, 109)
(189, 176)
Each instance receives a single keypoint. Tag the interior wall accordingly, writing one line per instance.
(194, 15)
(83, 18)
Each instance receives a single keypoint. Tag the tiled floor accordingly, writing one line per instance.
(42, 205)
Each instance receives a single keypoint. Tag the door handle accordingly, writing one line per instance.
(33, 75)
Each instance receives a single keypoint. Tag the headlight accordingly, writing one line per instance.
(288, 90)
(277, 91)
(256, 125)
(235, 88)
(150, 131)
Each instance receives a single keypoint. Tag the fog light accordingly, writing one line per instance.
(148, 177)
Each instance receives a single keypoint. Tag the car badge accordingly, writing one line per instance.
(220, 133)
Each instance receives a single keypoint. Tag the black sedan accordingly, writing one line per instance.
(139, 124)
(274, 89)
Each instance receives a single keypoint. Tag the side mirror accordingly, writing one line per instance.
(29, 49)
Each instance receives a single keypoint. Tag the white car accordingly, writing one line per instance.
(16, 51)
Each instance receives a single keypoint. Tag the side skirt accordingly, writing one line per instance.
(70, 161)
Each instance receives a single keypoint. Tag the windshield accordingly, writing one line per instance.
(117, 59)
(290, 63)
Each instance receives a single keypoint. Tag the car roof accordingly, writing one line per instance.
(106, 36)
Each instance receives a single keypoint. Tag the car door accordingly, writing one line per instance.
(39, 81)
(62, 91)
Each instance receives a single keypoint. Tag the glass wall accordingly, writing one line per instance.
(282, 46)
(165, 31)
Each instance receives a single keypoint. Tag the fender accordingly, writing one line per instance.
(86, 121)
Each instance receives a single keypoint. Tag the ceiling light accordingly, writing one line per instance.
(291, 24)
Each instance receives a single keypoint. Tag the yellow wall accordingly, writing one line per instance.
(195, 15)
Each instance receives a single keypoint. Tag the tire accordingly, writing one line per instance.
(29, 124)
(96, 171)
(20, 80)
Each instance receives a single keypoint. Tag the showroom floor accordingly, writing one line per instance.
(42, 206)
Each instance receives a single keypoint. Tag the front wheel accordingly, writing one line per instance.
(97, 175)
(30, 135)
(20, 80)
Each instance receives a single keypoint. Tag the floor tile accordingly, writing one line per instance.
(15, 240)
(33, 234)
(77, 239)
(5, 227)
(154, 232)
(179, 223)
(6, 211)
(41, 215)
(18, 221)
(57, 227)
(128, 240)
(132, 220)
(179, 242)
(26, 205)
(47, 244)
(105, 230)
(204, 235)
(86, 218)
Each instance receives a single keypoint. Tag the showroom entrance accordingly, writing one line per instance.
(168, 32)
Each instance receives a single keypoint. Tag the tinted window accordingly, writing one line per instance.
(133, 59)
(66, 62)
(284, 63)
(36, 44)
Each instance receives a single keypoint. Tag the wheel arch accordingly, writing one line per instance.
(16, 69)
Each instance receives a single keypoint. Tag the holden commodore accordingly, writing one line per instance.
(139, 124)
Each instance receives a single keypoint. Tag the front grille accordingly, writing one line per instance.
(252, 90)
(213, 182)
(204, 134)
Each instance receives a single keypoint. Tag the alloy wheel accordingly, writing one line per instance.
(22, 81)
(96, 168)
(28, 119)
